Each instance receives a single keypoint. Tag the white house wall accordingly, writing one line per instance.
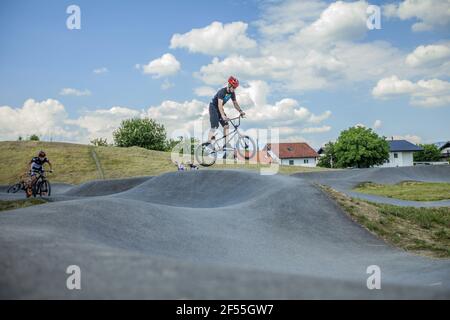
(300, 162)
(404, 159)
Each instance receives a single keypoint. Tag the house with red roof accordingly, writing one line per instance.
(292, 154)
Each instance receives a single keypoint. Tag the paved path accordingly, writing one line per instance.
(203, 234)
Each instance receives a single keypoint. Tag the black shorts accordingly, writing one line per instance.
(215, 118)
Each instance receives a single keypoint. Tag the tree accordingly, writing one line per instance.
(360, 147)
(191, 144)
(144, 133)
(430, 153)
(34, 137)
(99, 142)
(329, 158)
(20, 138)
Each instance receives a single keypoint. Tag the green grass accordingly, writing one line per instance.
(408, 190)
(74, 163)
(424, 231)
(16, 204)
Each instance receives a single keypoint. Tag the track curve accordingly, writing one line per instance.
(205, 234)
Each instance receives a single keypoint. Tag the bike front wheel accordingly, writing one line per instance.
(43, 188)
(246, 147)
(14, 188)
(205, 154)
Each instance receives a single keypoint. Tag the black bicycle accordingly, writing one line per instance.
(41, 186)
(206, 153)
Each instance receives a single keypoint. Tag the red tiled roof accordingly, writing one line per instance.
(292, 150)
(258, 157)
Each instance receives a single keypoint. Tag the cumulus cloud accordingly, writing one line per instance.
(288, 17)
(164, 66)
(340, 21)
(102, 122)
(431, 55)
(431, 14)
(205, 91)
(74, 92)
(215, 39)
(45, 118)
(423, 93)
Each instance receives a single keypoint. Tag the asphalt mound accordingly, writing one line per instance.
(204, 189)
(205, 234)
(104, 187)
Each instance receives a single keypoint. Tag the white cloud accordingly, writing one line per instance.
(45, 118)
(101, 123)
(101, 70)
(377, 124)
(341, 21)
(319, 118)
(205, 91)
(49, 117)
(215, 39)
(74, 92)
(288, 17)
(286, 114)
(166, 85)
(408, 137)
(164, 66)
(424, 93)
(430, 55)
(316, 129)
(430, 13)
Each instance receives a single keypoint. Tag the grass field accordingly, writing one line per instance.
(424, 231)
(408, 190)
(75, 163)
(16, 204)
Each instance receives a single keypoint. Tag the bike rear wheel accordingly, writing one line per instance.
(14, 188)
(45, 188)
(246, 147)
(205, 154)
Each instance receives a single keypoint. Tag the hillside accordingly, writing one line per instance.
(77, 163)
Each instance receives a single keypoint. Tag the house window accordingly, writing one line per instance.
(305, 160)
(395, 155)
(291, 162)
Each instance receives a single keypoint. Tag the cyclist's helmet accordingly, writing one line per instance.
(41, 154)
(232, 81)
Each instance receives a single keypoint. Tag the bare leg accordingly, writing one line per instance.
(225, 134)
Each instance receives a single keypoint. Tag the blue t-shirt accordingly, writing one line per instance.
(224, 95)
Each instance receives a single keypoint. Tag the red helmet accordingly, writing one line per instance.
(232, 81)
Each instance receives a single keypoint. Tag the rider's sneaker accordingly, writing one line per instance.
(29, 192)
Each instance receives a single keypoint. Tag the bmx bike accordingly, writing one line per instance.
(206, 153)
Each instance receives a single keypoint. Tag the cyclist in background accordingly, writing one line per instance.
(37, 167)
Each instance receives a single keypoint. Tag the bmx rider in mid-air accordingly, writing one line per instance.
(216, 111)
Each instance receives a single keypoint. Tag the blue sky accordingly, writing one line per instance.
(312, 66)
